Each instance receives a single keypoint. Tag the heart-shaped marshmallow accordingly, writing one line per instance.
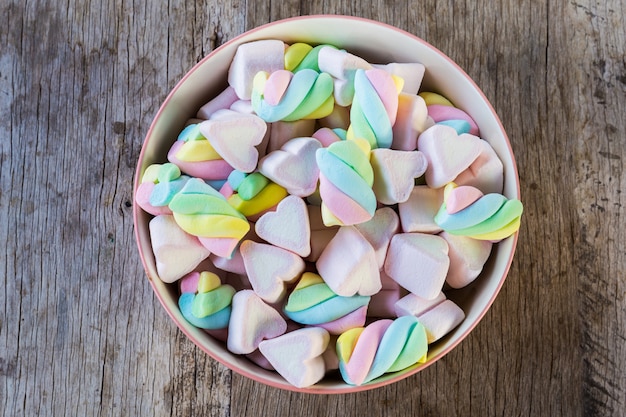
(269, 268)
(175, 251)
(395, 173)
(348, 264)
(252, 321)
(448, 153)
(293, 166)
(234, 136)
(297, 356)
(287, 227)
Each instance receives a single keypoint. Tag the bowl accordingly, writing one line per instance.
(377, 43)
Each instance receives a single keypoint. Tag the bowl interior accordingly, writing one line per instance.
(377, 43)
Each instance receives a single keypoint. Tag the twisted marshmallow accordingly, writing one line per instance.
(204, 301)
(374, 107)
(312, 302)
(467, 212)
(365, 353)
(286, 96)
(346, 179)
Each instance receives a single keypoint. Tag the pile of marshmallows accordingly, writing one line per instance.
(316, 209)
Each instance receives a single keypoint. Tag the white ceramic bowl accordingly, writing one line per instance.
(377, 43)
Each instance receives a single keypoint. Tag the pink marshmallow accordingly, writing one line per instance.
(142, 198)
(354, 319)
(326, 136)
(222, 101)
(234, 137)
(269, 268)
(348, 264)
(411, 120)
(448, 153)
(418, 262)
(467, 258)
(252, 321)
(411, 72)
(486, 173)
(176, 252)
(252, 57)
(298, 355)
(395, 173)
(417, 214)
(287, 227)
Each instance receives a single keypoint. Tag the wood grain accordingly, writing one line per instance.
(81, 332)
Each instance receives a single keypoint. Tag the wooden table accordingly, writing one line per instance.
(82, 333)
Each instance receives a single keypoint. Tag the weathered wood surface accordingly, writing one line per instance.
(81, 333)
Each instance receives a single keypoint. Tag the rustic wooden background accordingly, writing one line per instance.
(81, 333)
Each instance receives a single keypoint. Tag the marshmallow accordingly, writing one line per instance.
(417, 214)
(298, 355)
(382, 346)
(348, 264)
(293, 166)
(467, 258)
(411, 120)
(223, 100)
(418, 262)
(448, 153)
(395, 173)
(176, 252)
(287, 227)
(411, 72)
(492, 217)
(234, 136)
(252, 321)
(342, 66)
(486, 173)
(204, 301)
(346, 179)
(269, 268)
(252, 57)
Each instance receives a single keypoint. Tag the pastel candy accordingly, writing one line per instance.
(342, 65)
(346, 179)
(395, 173)
(467, 258)
(176, 252)
(411, 72)
(448, 154)
(287, 227)
(492, 217)
(195, 156)
(299, 56)
(417, 214)
(349, 265)
(439, 315)
(223, 100)
(307, 96)
(252, 57)
(266, 199)
(234, 136)
(208, 305)
(414, 305)
(298, 355)
(252, 321)
(452, 116)
(379, 230)
(142, 199)
(294, 166)
(418, 262)
(312, 302)
(326, 136)
(381, 347)
(374, 107)
(411, 120)
(269, 268)
(486, 173)
(202, 211)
